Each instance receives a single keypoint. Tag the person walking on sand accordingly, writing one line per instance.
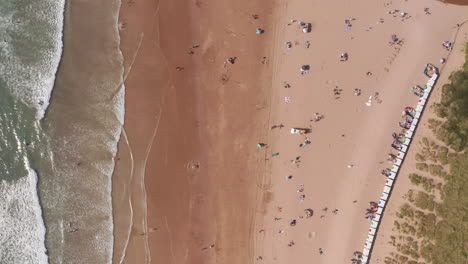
(320, 251)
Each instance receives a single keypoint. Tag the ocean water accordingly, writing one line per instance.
(61, 114)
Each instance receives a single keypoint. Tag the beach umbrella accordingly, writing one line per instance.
(309, 212)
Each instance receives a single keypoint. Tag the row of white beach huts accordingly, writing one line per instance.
(432, 72)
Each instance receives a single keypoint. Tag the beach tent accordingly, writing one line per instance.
(384, 196)
(395, 168)
(382, 203)
(392, 175)
(387, 189)
(379, 210)
(400, 155)
(372, 231)
(389, 182)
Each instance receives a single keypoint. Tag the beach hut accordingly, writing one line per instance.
(431, 82)
(408, 140)
(384, 196)
(379, 210)
(419, 108)
(403, 148)
(412, 127)
(370, 238)
(397, 161)
(392, 175)
(387, 189)
(421, 101)
(365, 252)
(375, 224)
(377, 217)
(381, 203)
(368, 245)
(415, 122)
(395, 168)
(417, 115)
(389, 182)
(408, 134)
(364, 259)
(425, 95)
(372, 231)
(400, 155)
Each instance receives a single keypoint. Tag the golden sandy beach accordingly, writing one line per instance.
(191, 186)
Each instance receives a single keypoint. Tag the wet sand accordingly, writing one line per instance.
(208, 115)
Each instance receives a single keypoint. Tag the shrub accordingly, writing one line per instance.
(436, 170)
(424, 201)
(442, 155)
(415, 178)
(422, 166)
(406, 211)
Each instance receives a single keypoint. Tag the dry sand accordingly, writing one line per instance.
(214, 114)
(324, 168)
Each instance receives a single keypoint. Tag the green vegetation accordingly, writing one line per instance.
(453, 107)
(430, 230)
